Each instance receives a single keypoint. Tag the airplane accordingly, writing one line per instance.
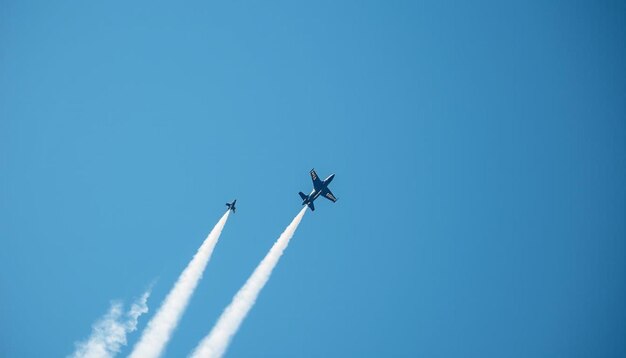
(319, 188)
(231, 206)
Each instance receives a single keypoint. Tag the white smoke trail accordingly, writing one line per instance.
(159, 330)
(216, 342)
(109, 333)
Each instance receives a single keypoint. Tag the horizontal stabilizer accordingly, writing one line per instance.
(303, 196)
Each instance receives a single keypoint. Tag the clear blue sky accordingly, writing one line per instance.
(479, 151)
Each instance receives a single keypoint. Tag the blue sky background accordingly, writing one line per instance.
(479, 150)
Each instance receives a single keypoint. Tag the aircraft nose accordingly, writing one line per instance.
(330, 178)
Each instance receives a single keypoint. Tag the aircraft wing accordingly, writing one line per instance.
(317, 183)
(329, 195)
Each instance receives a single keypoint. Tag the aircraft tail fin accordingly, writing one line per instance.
(311, 206)
(303, 196)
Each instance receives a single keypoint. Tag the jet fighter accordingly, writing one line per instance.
(231, 206)
(319, 188)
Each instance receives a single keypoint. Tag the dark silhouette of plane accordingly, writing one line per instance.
(319, 188)
(231, 206)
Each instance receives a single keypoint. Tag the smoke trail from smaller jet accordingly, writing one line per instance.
(159, 330)
(216, 342)
(109, 333)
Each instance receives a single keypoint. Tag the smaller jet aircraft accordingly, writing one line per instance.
(319, 188)
(231, 206)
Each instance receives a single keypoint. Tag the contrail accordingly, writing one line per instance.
(159, 330)
(109, 333)
(216, 342)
